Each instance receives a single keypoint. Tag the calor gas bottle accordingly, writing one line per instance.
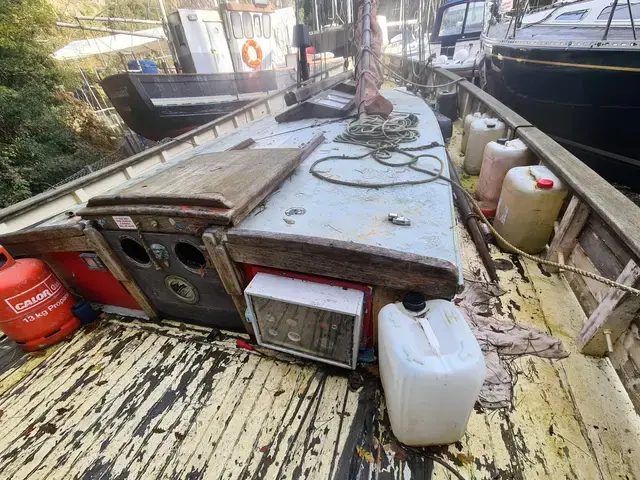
(35, 308)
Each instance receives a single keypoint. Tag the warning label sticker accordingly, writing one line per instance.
(124, 222)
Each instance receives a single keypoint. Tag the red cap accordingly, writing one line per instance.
(488, 212)
(545, 183)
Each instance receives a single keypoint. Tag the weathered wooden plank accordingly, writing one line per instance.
(615, 313)
(137, 397)
(238, 434)
(72, 405)
(68, 244)
(323, 432)
(43, 233)
(291, 432)
(581, 260)
(111, 260)
(143, 425)
(79, 420)
(31, 404)
(229, 274)
(573, 221)
(158, 450)
(235, 180)
(345, 260)
(68, 354)
(265, 423)
(605, 249)
(196, 447)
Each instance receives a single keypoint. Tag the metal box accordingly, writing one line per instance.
(308, 319)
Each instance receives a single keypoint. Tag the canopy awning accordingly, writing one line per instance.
(114, 43)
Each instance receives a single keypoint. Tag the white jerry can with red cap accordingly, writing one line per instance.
(530, 201)
(431, 368)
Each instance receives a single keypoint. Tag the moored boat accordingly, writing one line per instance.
(275, 217)
(571, 70)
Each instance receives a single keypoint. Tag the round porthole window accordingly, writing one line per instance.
(134, 251)
(182, 289)
(190, 256)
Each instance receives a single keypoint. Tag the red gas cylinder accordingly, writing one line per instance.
(35, 310)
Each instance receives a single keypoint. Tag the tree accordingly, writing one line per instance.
(45, 134)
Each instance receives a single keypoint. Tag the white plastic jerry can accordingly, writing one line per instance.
(431, 367)
(481, 132)
(500, 157)
(530, 201)
(466, 126)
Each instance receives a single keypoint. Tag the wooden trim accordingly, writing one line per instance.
(566, 237)
(111, 260)
(64, 244)
(615, 313)
(227, 272)
(44, 233)
(345, 260)
(214, 215)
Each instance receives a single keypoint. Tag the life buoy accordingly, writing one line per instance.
(245, 53)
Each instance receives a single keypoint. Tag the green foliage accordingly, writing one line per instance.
(45, 134)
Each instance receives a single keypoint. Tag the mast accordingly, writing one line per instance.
(365, 59)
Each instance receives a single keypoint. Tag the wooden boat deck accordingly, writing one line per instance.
(133, 400)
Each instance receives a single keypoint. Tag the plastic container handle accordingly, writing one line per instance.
(431, 335)
(7, 257)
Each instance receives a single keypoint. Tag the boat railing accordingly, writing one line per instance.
(63, 198)
(599, 229)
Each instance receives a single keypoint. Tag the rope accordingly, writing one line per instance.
(399, 77)
(384, 137)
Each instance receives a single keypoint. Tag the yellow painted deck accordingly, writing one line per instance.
(134, 400)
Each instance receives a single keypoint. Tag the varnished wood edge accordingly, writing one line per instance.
(43, 233)
(238, 238)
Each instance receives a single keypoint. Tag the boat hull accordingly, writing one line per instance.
(161, 106)
(587, 99)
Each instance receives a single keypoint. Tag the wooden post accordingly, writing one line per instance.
(615, 313)
(111, 260)
(566, 237)
(227, 271)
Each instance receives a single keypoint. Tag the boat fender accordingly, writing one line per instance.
(255, 63)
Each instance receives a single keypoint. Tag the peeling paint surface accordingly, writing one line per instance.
(135, 400)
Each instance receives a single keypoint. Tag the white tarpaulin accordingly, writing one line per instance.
(114, 43)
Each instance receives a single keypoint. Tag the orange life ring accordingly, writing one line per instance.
(245, 53)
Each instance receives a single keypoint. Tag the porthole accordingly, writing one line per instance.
(182, 289)
(134, 251)
(190, 256)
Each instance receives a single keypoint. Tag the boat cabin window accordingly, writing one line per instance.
(247, 24)
(266, 25)
(452, 20)
(475, 17)
(573, 16)
(256, 26)
(236, 25)
(621, 13)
